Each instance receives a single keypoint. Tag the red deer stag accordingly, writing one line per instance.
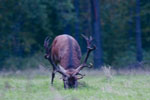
(64, 54)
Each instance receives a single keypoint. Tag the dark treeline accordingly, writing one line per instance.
(120, 28)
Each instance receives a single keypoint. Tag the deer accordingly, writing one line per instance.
(64, 54)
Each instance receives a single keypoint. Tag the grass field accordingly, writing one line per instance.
(95, 86)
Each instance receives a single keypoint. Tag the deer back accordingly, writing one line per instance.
(66, 52)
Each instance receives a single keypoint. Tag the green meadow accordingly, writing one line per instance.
(96, 85)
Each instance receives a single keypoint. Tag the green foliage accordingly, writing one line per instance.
(118, 26)
(24, 24)
(31, 62)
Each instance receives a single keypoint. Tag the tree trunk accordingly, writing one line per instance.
(67, 29)
(96, 28)
(76, 4)
(130, 29)
(16, 40)
(16, 28)
(86, 17)
(139, 55)
(130, 23)
(85, 11)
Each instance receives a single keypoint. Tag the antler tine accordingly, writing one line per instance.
(46, 43)
(82, 75)
(85, 37)
(81, 67)
(90, 47)
(91, 39)
(88, 40)
(62, 72)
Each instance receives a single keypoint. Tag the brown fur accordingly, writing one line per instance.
(61, 51)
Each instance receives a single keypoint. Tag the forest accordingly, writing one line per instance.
(120, 28)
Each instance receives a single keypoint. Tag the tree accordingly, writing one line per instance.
(96, 28)
(76, 5)
(85, 21)
(139, 55)
(66, 15)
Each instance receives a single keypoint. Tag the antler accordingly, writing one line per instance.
(46, 44)
(62, 71)
(90, 47)
(81, 76)
(81, 67)
(58, 69)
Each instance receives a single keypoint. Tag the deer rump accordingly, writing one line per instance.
(65, 55)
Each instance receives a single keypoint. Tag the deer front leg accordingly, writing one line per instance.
(53, 76)
(54, 69)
